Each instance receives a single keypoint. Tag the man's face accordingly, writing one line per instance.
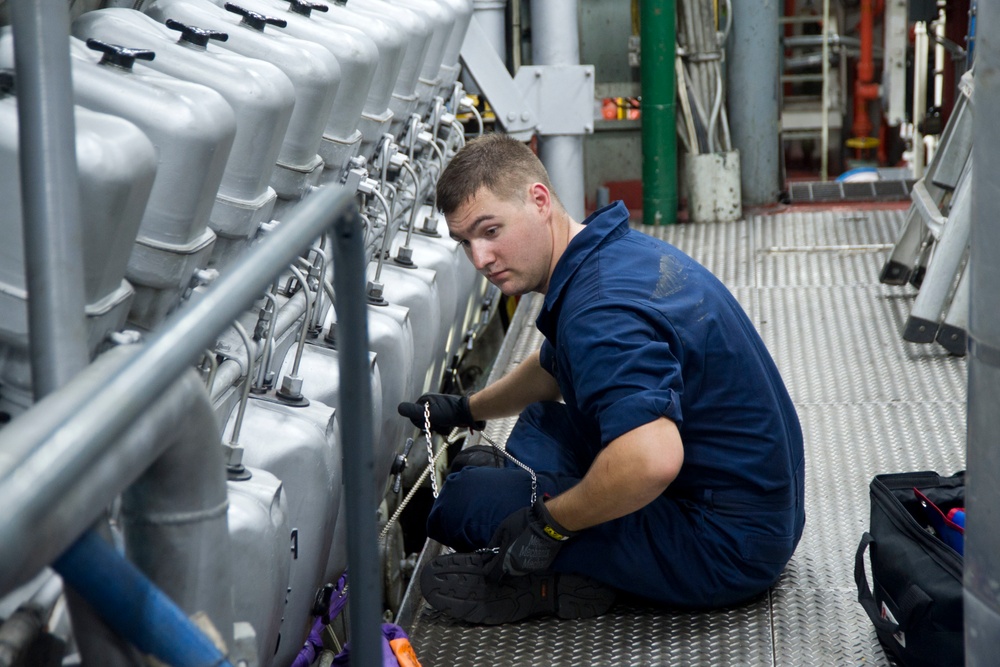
(509, 242)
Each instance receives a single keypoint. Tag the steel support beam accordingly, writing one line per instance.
(752, 63)
(356, 435)
(982, 540)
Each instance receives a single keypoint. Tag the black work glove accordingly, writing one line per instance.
(527, 541)
(447, 412)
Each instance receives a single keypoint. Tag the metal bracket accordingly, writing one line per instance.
(483, 64)
(894, 62)
(553, 99)
(562, 95)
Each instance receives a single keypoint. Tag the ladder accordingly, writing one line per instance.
(932, 250)
(815, 115)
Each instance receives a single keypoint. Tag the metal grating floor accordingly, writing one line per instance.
(869, 402)
(836, 191)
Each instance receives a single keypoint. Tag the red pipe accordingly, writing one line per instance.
(865, 90)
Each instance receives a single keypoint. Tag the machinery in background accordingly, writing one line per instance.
(875, 86)
(203, 129)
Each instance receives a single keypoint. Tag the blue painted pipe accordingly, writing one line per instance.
(133, 606)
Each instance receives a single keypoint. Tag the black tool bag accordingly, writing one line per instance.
(916, 604)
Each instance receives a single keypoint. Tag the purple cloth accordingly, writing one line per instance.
(314, 643)
(338, 600)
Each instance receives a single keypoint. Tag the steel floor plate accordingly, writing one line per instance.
(869, 403)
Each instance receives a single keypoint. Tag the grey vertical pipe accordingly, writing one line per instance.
(356, 435)
(982, 537)
(754, 114)
(555, 41)
(175, 511)
(176, 528)
(49, 192)
(53, 237)
(492, 16)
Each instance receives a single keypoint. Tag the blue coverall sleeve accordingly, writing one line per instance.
(623, 363)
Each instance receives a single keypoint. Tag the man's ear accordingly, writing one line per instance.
(540, 197)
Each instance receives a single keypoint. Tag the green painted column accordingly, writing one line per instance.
(659, 129)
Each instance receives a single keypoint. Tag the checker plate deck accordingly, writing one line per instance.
(869, 403)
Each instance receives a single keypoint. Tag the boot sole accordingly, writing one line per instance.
(456, 584)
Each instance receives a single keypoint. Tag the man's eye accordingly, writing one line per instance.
(492, 231)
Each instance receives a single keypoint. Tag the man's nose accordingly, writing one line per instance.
(481, 257)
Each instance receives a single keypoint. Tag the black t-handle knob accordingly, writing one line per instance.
(305, 8)
(119, 56)
(194, 35)
(253, 19)
(6, 81)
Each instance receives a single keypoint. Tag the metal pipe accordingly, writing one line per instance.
(515, 37)
(386, 234)
(53, 486)
(209, 367)
(555, 41)
(50, 195)
(753, 84)
(261, 381)
(415, 205)
(459, 132)
(306, 321)
(659, 122)
(562, 156)
(939, 58)
(322, 261)
(919, 110)
(982, 497)
(393, 194)
(824, 136)
(174, 515)
(44, 451)
(865, 90)
(491, 15)
(356, 433)
(479, 120)
(53, 237)
(234, 439)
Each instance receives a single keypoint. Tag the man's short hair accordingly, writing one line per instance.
(502, 165)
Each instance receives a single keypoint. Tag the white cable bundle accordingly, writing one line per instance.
(702, 124)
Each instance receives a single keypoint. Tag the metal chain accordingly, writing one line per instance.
(409, 496)
(534, 479)
(430, 447)
(432, 459)
(432, 465)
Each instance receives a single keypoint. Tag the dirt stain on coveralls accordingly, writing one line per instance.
(671, 278)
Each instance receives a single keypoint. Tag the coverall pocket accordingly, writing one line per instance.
(768, 548)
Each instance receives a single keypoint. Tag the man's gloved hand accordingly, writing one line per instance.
(527, 541)
(447, 412)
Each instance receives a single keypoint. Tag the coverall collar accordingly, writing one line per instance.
(608, 222)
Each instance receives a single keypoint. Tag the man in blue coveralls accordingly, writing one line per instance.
(668, 453)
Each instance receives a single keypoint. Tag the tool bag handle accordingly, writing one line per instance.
(912, 603)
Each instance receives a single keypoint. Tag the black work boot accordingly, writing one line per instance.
(456, 584)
